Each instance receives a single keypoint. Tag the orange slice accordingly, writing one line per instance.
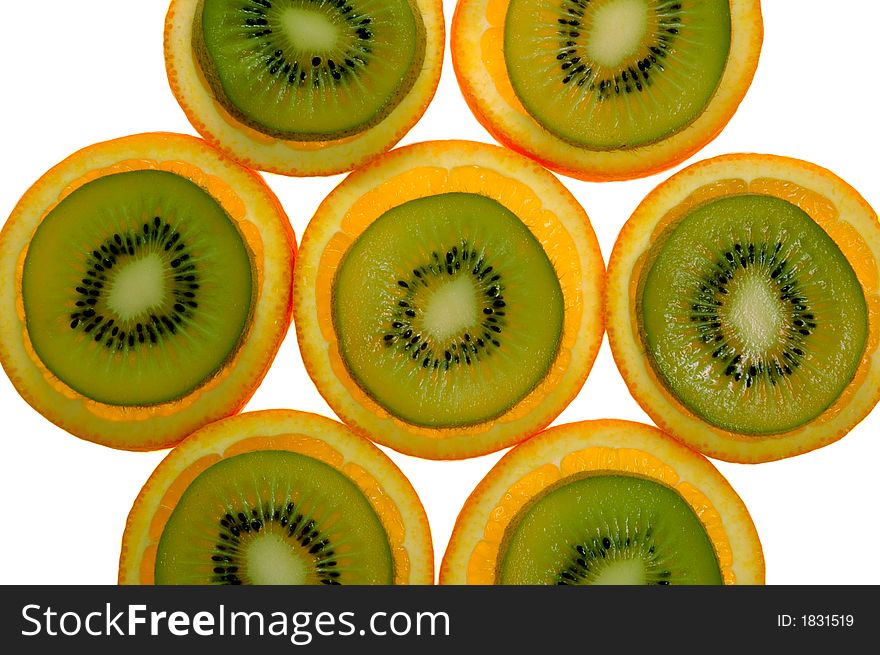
(286, 157)
(607, 447)
(835, 206)
(263, 226)
(537, 199)
(477, 41)
(385, 488)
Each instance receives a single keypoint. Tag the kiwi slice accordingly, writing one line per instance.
(435, 305)
(611, 74)
(276, 497)
(273, 517)
(309, 70)
(751, 314)
(608, 529)
(603, 502)
(137, 288)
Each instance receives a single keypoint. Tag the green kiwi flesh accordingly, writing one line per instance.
(137, 287)
(751, 315)
(614, 74)
(608, 529)
(273, 517)
(447, 310)
(309, 70)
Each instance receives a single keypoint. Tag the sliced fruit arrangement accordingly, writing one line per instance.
(744, 308)
(605, 89)
(276, 497)
(148, 288)
(448, 299)
(304, 87)
(603, 502)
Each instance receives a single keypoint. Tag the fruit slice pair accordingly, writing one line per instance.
(304, 87)
(149, 287)
(743, 307)
(276, 497)
(603, 502)
(447, 299)
(608, 89)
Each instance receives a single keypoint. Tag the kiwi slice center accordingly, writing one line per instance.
(607, 528)
(751, 315)
(269, 559)
(447, 310)
(450, 309)
(618, 28)
(308, 29)
(755, 313)
(137, 287)
(622, 572)
(273, 517)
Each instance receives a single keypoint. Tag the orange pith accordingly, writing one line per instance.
(382, 483)
(599, 447)
(477, 40)
(300, 158)
(265, 229)
(829, 201)
(429, 169)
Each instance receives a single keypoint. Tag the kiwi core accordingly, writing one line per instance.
(269, 560)
(137, 287)
(308, 29)
(755, 312)
(619, 26)
(450, 309)
(622, 572)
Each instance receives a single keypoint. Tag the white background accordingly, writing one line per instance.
(92, 70)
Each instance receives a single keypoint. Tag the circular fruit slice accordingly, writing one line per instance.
(448, 299)
(603, 502)
(276, 497)
(610, 89)
(743, 307)
(149, 289)
(304, 87)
